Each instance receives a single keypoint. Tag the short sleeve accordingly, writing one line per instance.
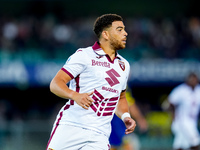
(175, 96)
(75, 64)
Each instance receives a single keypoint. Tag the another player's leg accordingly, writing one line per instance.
(114, 148)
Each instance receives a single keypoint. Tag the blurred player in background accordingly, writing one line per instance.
(98, 78)
(118, 138)
(185, 105)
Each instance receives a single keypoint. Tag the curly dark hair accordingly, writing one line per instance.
(105, 21)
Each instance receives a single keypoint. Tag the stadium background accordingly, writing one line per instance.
(37, 36)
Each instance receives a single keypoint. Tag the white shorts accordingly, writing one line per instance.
(67, 137)
(186, 135)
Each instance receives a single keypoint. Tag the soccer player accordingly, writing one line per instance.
(185, 103)
(97, 77)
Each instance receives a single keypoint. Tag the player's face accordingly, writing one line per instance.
(117, 35)
(192, 81)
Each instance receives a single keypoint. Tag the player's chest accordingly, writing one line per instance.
(191, 99)
(103, 71)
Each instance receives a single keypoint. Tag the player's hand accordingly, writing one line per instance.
(130, 125)
(84, 99)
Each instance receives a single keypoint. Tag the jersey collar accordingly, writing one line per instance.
(99, 51)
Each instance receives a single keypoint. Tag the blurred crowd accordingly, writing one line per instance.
(49, 37)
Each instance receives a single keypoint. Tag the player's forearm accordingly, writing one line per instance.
(60, 89)
(122, 106)
(172, 109)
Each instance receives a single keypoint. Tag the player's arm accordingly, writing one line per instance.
(59, 87)
(172, 109)
(122, 111)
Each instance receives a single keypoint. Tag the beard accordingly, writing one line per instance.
(116, 44)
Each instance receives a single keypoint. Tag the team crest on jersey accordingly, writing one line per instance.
(122, 65)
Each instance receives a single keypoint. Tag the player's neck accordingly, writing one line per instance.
(108, 50)
(191, 86)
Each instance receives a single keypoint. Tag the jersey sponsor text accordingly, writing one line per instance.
(110, 89)
(100, 63)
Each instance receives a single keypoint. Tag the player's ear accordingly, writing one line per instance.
(105, 34)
